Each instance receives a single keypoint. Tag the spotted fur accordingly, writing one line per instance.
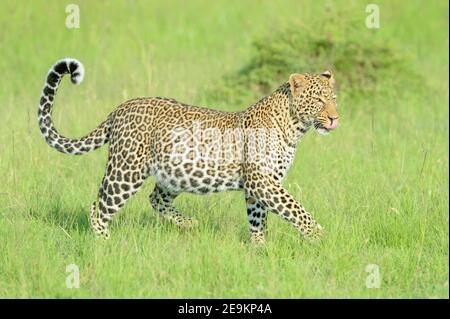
(199, 150)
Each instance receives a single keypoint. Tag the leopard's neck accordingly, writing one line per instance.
(275, 111)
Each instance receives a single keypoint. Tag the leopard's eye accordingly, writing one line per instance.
(321, 100)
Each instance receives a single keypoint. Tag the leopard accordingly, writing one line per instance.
(201, 150)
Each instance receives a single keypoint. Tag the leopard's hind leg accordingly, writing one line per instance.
(121, 181)
(162, 201)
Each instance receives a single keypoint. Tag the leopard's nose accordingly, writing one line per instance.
(334, 121)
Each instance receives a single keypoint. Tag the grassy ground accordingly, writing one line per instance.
(378, 184)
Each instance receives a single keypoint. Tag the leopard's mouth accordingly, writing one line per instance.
(325, 128)
(321, 129)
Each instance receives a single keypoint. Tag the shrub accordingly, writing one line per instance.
(359, 59)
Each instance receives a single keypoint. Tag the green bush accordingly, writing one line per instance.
(359, 62)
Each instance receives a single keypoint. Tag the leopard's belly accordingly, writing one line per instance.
(194, 177)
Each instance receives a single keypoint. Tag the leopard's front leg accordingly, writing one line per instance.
(269, 191)
(257, 217)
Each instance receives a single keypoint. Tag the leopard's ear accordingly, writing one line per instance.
(329, 76)
(297, 83)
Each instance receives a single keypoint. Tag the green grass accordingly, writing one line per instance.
(379, 184)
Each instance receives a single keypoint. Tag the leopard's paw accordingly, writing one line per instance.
(257, 239)
(180, 220)
(187, 223)
(315, 233)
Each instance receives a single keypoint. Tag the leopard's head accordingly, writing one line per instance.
(314, 100)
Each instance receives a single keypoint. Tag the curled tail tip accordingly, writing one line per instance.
(69, 65)
(77, 75)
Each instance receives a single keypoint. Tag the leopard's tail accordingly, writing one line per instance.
(93, 140)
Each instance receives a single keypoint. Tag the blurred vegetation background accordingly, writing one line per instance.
(379, 184)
